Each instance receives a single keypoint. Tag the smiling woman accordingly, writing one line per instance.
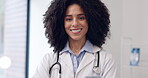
(76, 29)
(76, 26)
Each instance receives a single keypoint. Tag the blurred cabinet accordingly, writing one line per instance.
(139, 71)
(134, 34)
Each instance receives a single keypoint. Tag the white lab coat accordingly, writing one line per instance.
(85, 69)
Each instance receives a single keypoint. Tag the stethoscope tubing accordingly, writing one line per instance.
(54, 65)
(57, 62)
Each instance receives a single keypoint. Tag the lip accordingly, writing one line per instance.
(76, 31)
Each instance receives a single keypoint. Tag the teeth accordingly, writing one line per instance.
(76, 30)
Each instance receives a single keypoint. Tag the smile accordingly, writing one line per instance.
(75, 30)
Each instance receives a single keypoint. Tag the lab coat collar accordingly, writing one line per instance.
(88, 58)
(85, 61)
(88, 47)
(66, 59)
(96, 49)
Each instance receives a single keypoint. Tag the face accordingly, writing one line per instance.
(75, 23)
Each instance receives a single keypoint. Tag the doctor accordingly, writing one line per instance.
(76, 29)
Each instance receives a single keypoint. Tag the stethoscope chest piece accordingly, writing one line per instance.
(96, 69)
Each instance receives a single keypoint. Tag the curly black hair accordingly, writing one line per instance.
(97, 16)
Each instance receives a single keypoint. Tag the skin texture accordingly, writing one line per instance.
(76, 27)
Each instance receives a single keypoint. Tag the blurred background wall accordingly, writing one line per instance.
(38, 45)
(14, 25)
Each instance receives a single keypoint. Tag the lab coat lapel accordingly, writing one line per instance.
(66, 59)
(87, 59)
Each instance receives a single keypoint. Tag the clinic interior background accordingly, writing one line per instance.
(23, 43)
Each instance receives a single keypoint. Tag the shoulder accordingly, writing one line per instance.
(108, 65)
(42, 70)
(106, 55)
(103, 53)
(49, 57)
(47, 60)
(106, 59)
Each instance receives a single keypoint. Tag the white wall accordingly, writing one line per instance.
(144, 20)
(113, 44)
(38, 43)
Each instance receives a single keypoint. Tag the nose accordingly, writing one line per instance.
(75, 22)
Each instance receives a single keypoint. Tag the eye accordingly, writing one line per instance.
(82, 18)
(68, 19)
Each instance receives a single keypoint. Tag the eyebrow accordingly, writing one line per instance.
(71, 15)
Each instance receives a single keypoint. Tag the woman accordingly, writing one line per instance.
(76, 29)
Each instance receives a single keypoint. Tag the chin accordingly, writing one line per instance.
(76, 38)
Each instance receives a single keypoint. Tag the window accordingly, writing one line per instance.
(1, 25)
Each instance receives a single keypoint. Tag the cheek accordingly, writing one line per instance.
(86, 26)
(66, 25)
(66, 28)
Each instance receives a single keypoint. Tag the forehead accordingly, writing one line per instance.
(74, 9)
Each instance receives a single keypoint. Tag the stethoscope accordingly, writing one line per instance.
(96, 68)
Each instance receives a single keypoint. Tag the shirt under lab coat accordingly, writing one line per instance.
(107, 67)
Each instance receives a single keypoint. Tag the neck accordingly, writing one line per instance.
(76, 46)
